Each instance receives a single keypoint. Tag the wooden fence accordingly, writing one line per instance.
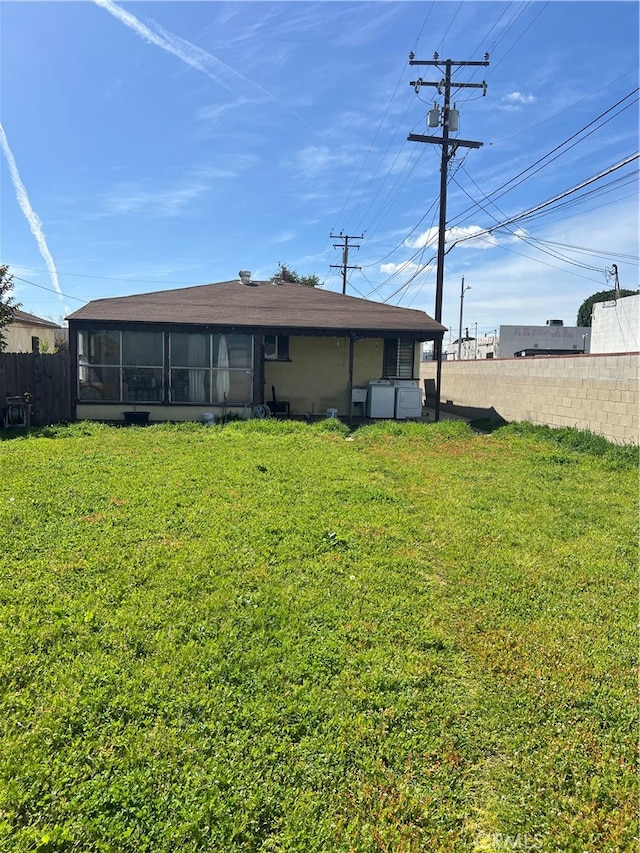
(44, 377)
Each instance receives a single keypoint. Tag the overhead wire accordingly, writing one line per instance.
(107, 277)
(397, 186)
(389, 202)
(49, 289)
(380, 125)
(555, 115)
(589, 251)
(552, 206)
(513, 182)
(557, 198)
(494, 68)
(403, 177)
(525, 238)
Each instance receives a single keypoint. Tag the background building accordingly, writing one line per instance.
(616, 325)
(554, 338)
(28, 333)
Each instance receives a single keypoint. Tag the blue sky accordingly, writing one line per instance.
(152, 145)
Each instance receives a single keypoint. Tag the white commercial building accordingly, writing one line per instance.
(552, 339)
(615, 325)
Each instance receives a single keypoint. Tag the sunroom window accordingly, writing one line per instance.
(116, 366)
(207, 368)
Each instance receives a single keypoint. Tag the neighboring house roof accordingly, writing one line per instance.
(32, 320)
(264, 305)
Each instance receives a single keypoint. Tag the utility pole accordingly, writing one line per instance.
(448, 118)
(344, 266)
(463, 289)
(614, 272)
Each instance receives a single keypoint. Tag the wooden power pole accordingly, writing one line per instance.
(448, 119)
(344, 266)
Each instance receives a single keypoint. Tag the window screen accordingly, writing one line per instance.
(397, 359)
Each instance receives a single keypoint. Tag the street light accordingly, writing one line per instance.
(463, 290)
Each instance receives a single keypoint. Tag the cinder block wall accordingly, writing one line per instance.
(598, 393)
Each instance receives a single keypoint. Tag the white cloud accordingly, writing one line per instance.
(284, 237)
(463, 236)
(407, 268)
(215, 111)
(319, 159)
(515, 101)
(189, 53)
(519, 98)
(166, 202)
(162, 200)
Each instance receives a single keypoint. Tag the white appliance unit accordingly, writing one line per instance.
(408, 399)
(381, 399)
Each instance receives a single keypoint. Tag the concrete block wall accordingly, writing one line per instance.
(598, 393)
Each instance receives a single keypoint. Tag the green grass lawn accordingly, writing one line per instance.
(285, 637)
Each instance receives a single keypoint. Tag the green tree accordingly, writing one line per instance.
(292, 276)
(586, 309)
(8, 305)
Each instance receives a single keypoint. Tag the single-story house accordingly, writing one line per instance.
(28, 333)
(235, 346)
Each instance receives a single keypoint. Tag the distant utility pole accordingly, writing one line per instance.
(448, 119)
(344, 266)
(463, 290)
(612, 272)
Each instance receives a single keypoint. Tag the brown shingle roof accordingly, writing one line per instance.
(263, 305)
(32, 320)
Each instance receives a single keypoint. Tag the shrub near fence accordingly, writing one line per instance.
(44, 376)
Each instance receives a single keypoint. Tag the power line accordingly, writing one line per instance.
(511, 183)
(49, 289)
(106, 277)
(528, 238)
(528, 213)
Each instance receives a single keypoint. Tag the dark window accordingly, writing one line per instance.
(397, 358)
(120, 366)
(276, 347)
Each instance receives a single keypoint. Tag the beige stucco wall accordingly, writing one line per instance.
(598, 393)
(19, 336)
(317, 376)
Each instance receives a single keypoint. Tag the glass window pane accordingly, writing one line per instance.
(142, 384)
(190, 385)
(283, 347)
(270, 348)
(99, 346)
(190, 350)
(233, 351)
(142, 348)
(237, 385)
(99, 383)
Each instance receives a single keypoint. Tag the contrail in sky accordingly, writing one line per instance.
(189, 53)
(29, 213)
